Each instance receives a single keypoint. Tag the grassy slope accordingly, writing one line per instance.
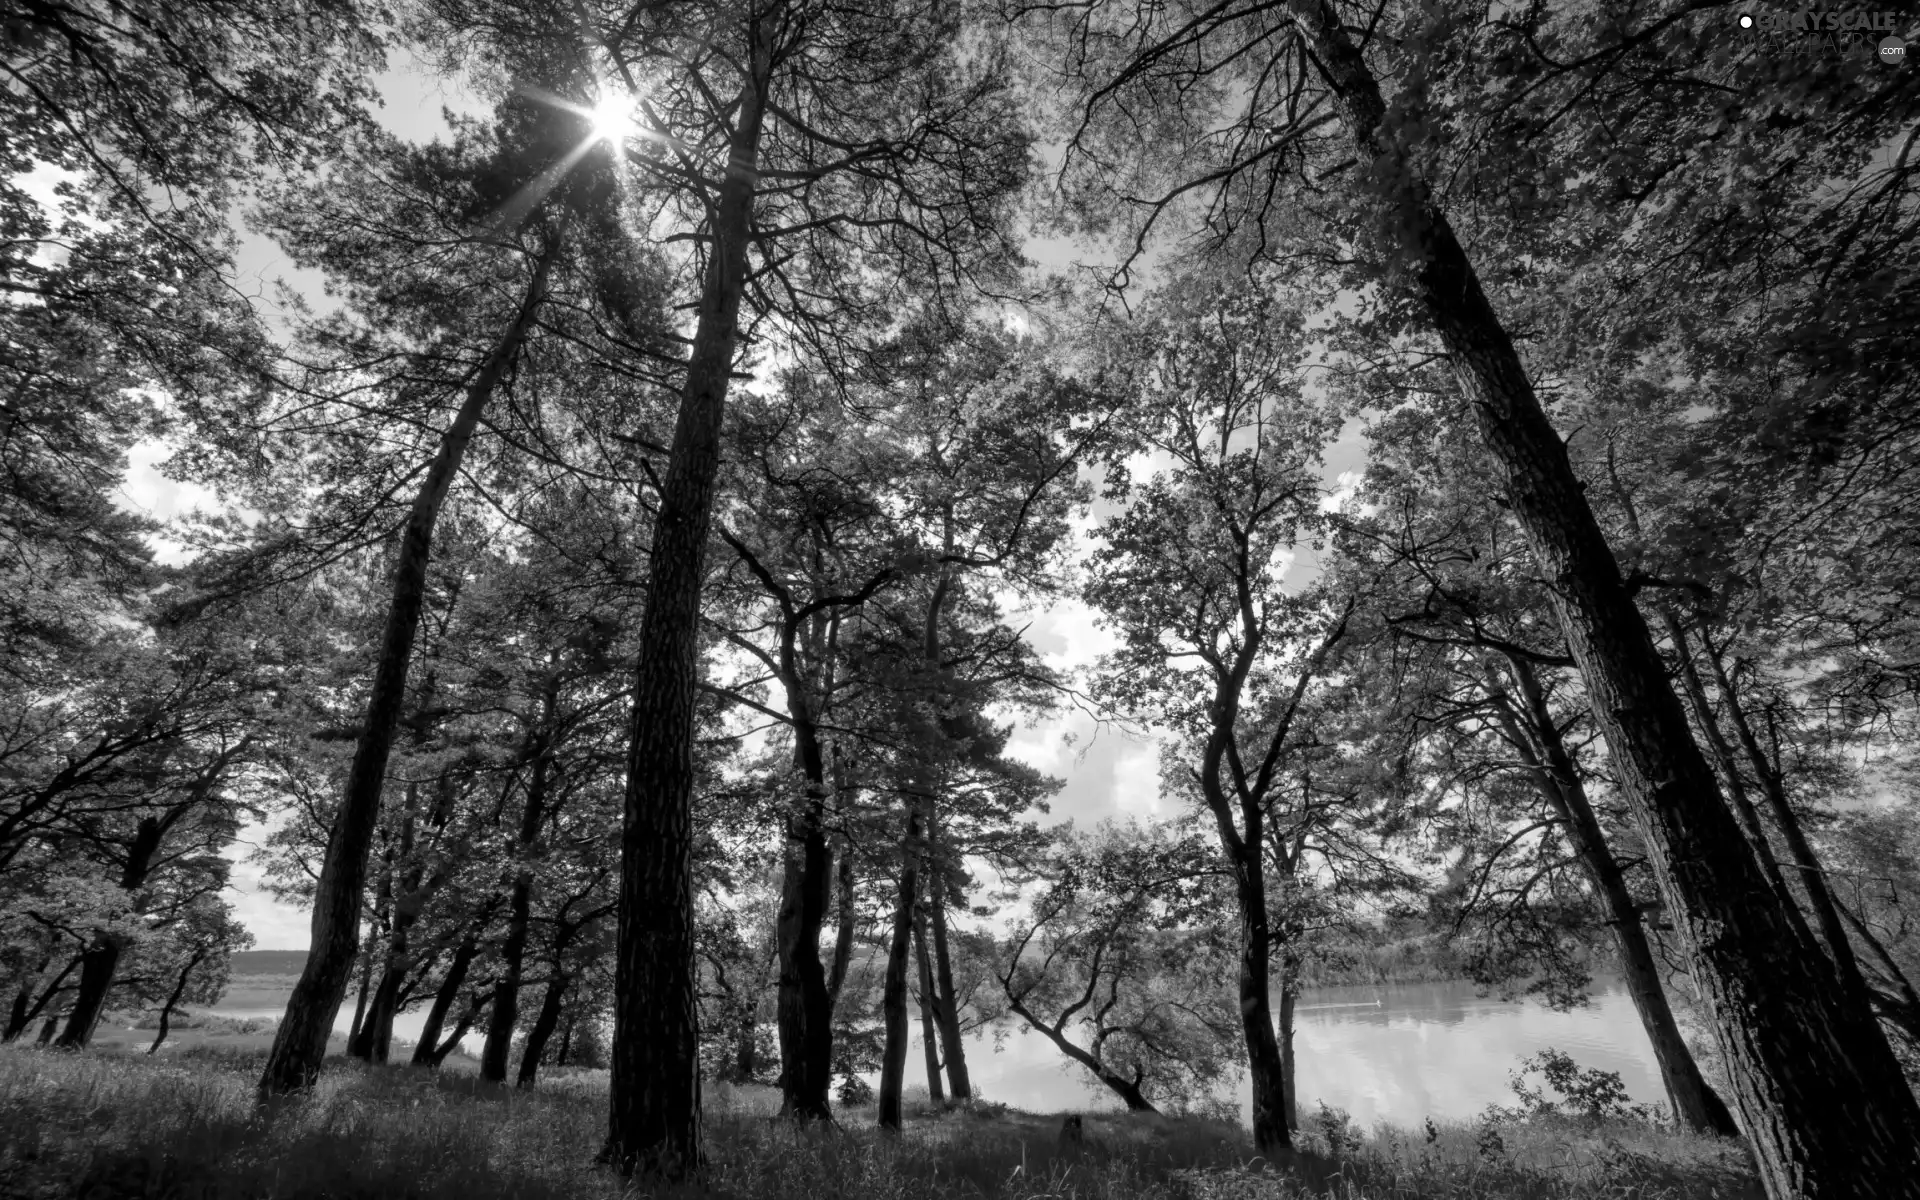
(111, 1126)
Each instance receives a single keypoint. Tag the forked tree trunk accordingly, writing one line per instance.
(1127, 1089)
(506, 997)
(929, 1045)
(1536, 738)
(893, 992)
(1817, 1088)
(444, 999)
(300, 1045)
(946, 1008)
(653, 1114)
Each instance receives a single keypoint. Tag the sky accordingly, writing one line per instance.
(1106, 772)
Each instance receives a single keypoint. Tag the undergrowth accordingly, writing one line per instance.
(111, 1127)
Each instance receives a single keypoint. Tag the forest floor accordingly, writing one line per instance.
(110, 1125)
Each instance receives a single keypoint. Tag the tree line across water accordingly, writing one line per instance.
(621, 600)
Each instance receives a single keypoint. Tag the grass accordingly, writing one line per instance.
(118, 1127)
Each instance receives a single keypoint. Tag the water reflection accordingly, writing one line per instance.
(1394, 1054)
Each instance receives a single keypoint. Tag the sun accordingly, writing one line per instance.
(613, 119)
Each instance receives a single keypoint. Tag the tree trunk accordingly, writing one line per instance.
(804, 1004)
(1289, 996)
(366, 981)
(173, 1001)
(843, 935)
(1127, 1089)
(47, 1031)
(566, 1043)
(946, 1004)
(1730, 777)
(443, 999)
(90, 1001)
(24, 1016)
(1808, 871)
(544, 1024)
(653, 1114)
(476, 1004)
(1816, 1085)
(1696, 1106)
(1265, 1066)
(928, 1037)
(506, 998)
(893, 992)
(103, 955)
(300, 1045)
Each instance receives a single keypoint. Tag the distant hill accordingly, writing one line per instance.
(268, 962)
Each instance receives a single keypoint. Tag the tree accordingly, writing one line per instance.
(535, 150)
(1190, 577)
(1120, 944)
(1809, 1065)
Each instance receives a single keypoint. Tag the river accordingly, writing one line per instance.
(1396, 1054)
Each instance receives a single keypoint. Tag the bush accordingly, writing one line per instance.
(1589, 1093)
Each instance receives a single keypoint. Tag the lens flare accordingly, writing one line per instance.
(613, 119)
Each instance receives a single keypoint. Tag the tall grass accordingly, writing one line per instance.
(116, 1127)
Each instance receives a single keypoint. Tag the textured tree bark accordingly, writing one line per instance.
(1536, 738)
(1817, 1089)
(893, 992)
(544, 1023)
(300, 1045)
(653, 1114)
(1730, 777)
(928, 1037)
(513, 951)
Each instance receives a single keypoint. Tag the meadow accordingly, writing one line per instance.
(112, 1125)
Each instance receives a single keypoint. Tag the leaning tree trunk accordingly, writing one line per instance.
(1127, 1089)
(893, 992)
(1818, 1091)
(300, 1045)
(1696, 1106)
(102, 958)
(928, 1038)
(173, 1000)
(1812, 877)
(653, 1113)
(544, 1023)
(444, 998)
